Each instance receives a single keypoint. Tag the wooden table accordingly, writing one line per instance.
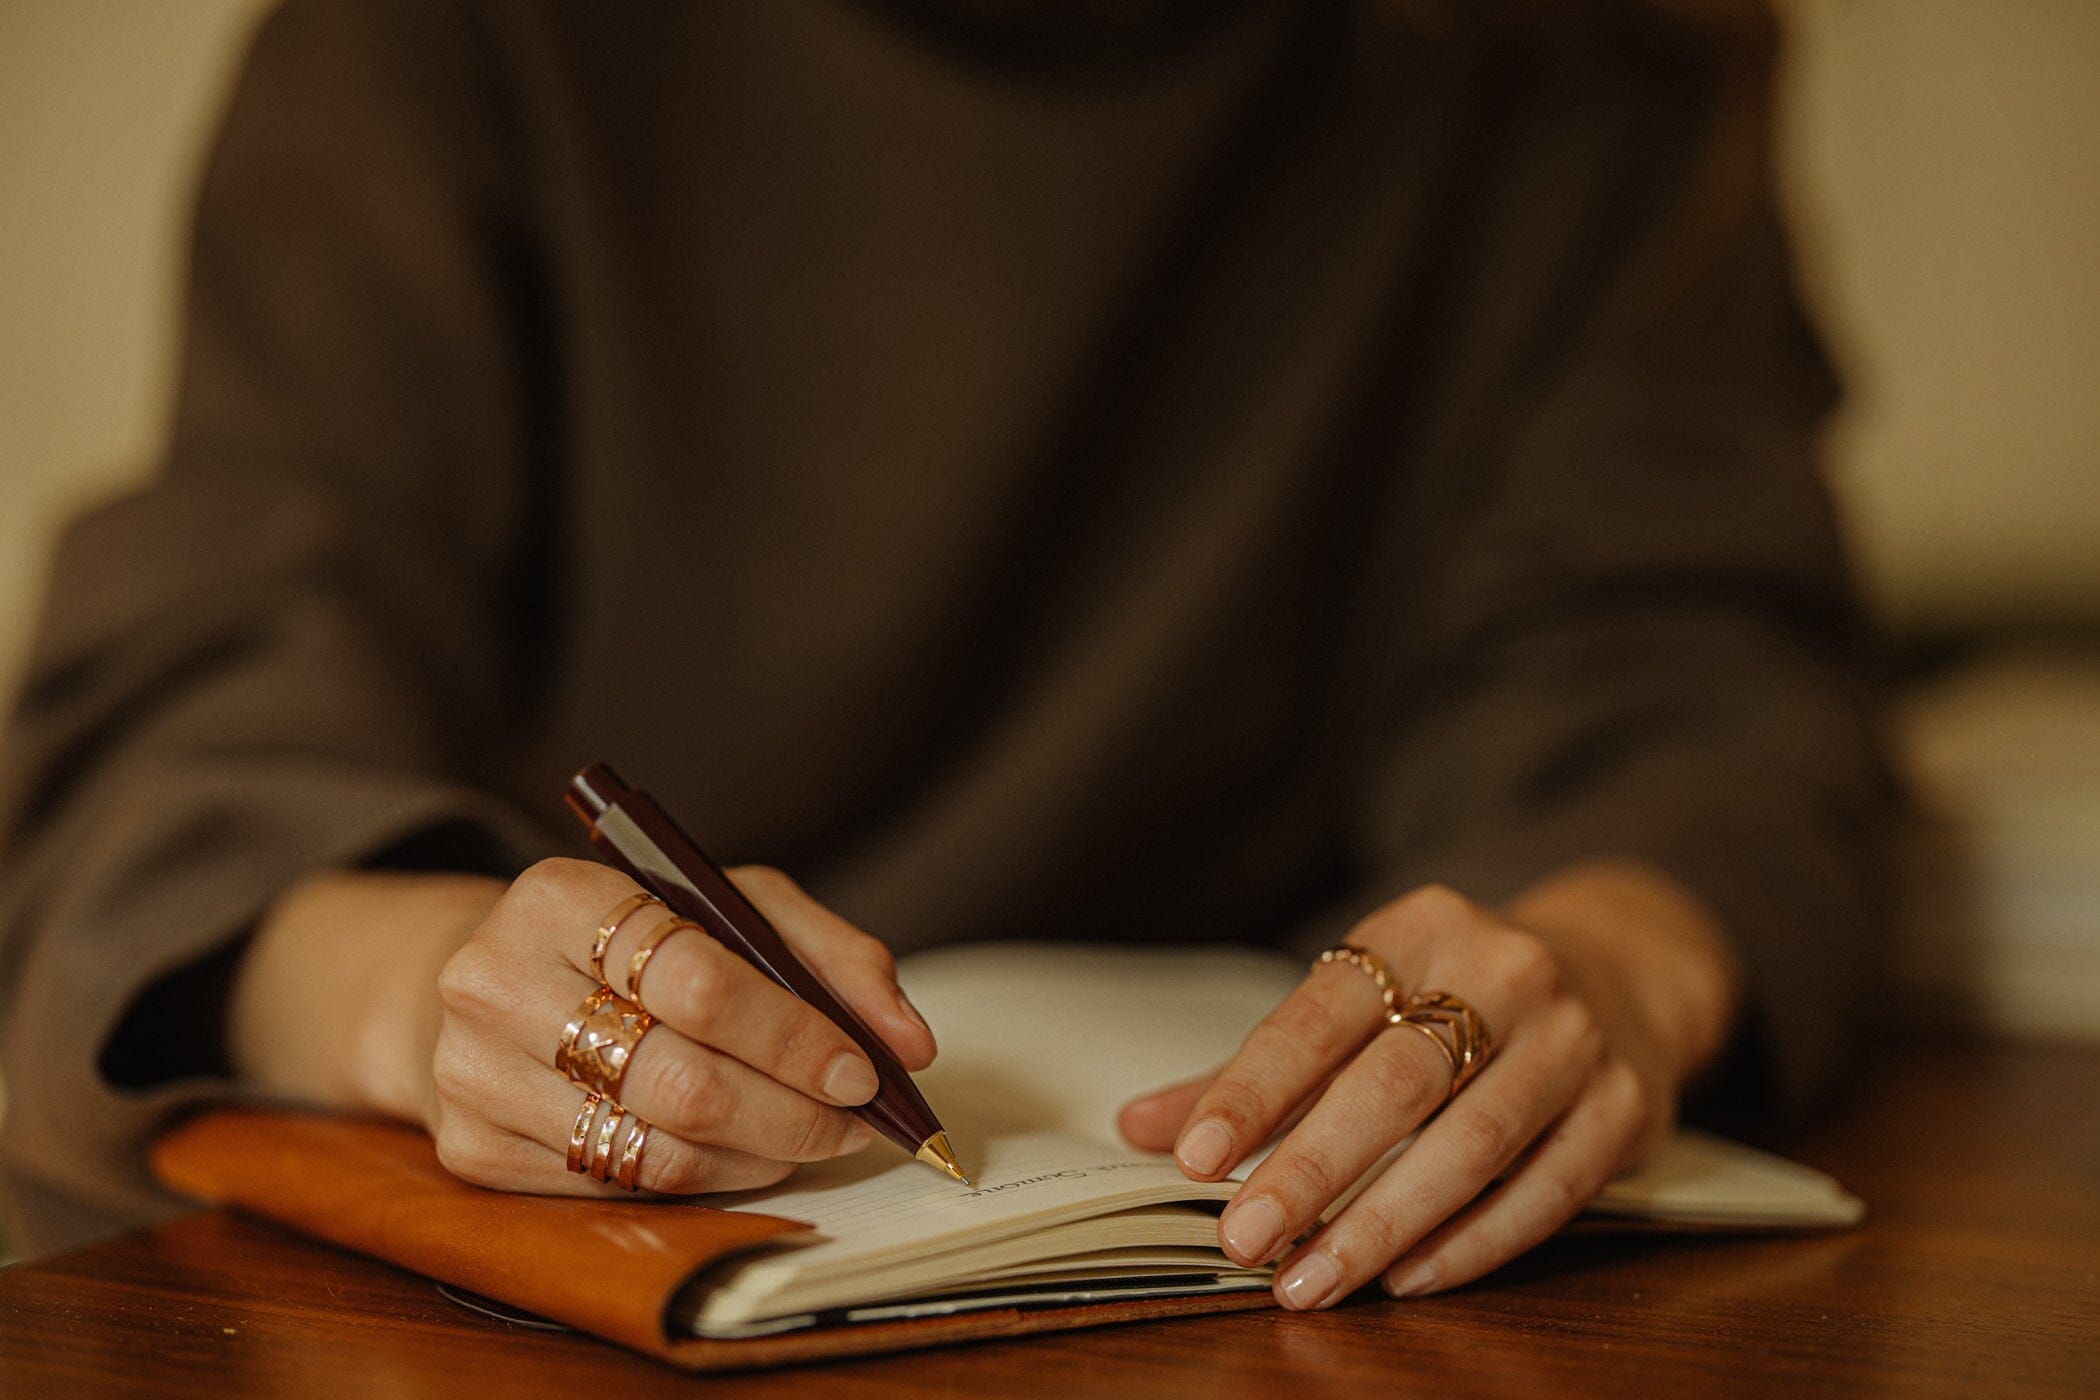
(1977, 1275)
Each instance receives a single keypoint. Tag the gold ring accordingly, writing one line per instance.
(581, 1133)
(631, 1155)
(601, 1156)
(621, 913)
(599, 1040)
(1455, 1028)
(647, 950)
(1371, 964)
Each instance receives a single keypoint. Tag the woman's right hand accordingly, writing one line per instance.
(739, 1079)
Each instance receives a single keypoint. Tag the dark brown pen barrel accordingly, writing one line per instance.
(637, 836)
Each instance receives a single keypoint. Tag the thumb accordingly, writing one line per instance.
(1155, 1120)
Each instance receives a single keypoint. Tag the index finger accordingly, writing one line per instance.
(1330, 1016)
(693, 984)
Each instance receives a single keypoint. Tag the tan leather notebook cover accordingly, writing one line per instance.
(606, 1267)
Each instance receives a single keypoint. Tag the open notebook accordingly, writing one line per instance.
(1040, 1045)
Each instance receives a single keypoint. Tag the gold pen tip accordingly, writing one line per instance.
(935, 1152)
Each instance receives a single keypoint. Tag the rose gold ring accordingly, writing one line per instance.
(1370, 964)
(1454, 1027)
(631, 1155)
(599, 1040)
(610, 925)
(601, 1154)
(580, 1134)
(647, 950)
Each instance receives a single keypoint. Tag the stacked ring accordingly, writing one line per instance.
(591, 1154)
(622, 912)
(1451, 1024)
(631, 1155)
(608, 1129)
(647, 950)
(580, 1134)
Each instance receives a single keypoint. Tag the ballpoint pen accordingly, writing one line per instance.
(633, 833)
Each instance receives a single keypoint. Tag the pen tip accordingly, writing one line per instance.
(936, 1152)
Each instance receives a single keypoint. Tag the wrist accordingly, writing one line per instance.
(1648, 950)
(335, 1002)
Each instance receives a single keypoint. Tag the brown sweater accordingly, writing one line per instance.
(1148, 472)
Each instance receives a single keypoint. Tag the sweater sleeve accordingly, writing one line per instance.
(301, 645)
(1631, 634)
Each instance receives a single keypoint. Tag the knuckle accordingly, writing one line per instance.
(1558, 1197)
(1391, 1077)
(452, 1074)
(702, 983)
(1524, 967)
(1439, 902)
(1313, 1021)
(555, 879)
(1576, 1027)
(468, 983)
(816, 1134)
(694, 1097)
(1619, 1085)
(467, 1155)
(803, 1047)
(876, 954)
(1375, 1238)
(1483, 1138)
(1307, 1179)
(1235, 1102)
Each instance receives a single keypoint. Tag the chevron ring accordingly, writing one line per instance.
(1456, 1029)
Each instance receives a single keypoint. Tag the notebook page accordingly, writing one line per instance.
(877, 1206)
(1037, 1036)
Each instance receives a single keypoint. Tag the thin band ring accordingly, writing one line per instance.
(580, 1134)
(631, 1156)
(622, 912)
(601, 1155)
(647, 950)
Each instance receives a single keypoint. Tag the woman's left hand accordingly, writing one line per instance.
(1604, 989)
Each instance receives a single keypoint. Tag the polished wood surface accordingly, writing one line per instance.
(1977, 1275)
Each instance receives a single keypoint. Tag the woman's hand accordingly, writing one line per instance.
(1605, 989)
(458, 1028)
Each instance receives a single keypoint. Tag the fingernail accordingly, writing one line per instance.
(904, 1005)
(1252, 1229)
(1203, 1148)
(857, 1137)
(1311, 1279)
(849, 1079)
(1420, 1278)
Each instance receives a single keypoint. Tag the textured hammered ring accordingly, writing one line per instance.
(581, 1133)
(631, 1156)
(1454, 1027)
(599, 1041)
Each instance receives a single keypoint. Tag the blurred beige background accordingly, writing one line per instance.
(1940, 160)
